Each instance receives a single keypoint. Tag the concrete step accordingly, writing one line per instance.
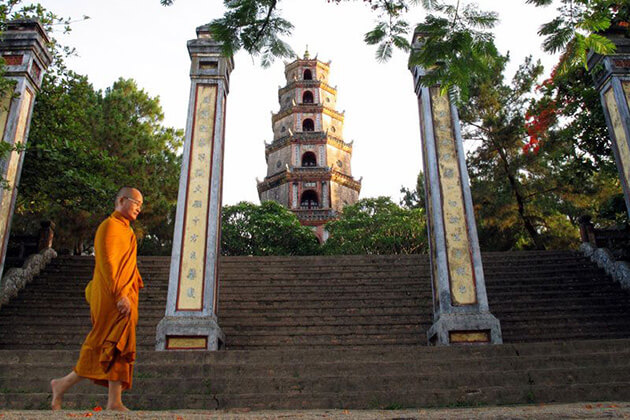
(224, 371)
(301, 397)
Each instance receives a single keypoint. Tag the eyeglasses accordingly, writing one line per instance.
(134, 201)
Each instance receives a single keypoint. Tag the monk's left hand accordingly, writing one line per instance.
(124, 305)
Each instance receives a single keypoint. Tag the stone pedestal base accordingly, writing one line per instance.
(449, 329)
(189, 333)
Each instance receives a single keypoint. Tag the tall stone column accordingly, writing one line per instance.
(23, 48)
(190, 322)
(611, 75)
(460, 304)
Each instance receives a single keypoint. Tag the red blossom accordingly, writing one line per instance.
(537, 125)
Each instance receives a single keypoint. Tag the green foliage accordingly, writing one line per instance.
(578, 150)
(253, 25)
(526, 199)
(458, 42)
(83, 146)
(503, 183)
(377, 226)
(414, 199)
(268, 229)
(456, 47)
(577, 29)
(146, 155)
(390, 30)
(61, 173)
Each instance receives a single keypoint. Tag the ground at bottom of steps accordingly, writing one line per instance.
(581, 410)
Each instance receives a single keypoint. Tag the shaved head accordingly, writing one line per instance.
(127, 192)
(129, 202)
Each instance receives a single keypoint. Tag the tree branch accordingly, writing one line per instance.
(260, 33)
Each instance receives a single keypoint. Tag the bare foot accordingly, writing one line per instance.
(57, 396)
(117, 407)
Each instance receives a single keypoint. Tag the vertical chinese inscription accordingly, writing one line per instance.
(193, 254)
(620, 135)
(461, 276)
(12, 161)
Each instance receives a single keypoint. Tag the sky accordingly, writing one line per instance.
(142, 40)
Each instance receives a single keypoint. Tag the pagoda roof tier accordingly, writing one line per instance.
(308, 137)
(307, 84)
(307, 108)
(317, 173)
(306, 62)
(315, 217)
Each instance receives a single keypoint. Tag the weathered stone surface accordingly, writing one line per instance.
(618, 270)
(16, 278)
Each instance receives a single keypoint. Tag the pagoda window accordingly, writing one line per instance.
(307, 97)
(308, 75)
(309, 159)
(308, 125)
(309, 200)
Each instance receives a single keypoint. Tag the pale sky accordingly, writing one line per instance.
(143, 40)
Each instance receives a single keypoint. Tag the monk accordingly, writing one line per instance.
(109, 351)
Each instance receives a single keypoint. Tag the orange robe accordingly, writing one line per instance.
(109, 351)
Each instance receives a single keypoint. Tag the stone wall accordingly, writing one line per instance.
(342, 196)
(332, 125)
(279, 194)
(278, 160)
(336, 156)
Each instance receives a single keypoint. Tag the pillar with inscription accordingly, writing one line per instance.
(26, 58)
(460, 304)
(611, 75)
(190, 322)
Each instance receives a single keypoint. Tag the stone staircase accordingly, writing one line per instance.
(338, 332)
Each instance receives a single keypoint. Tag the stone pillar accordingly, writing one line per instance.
(611, 75)
(190, 322)
(23, 48)
(460, 304)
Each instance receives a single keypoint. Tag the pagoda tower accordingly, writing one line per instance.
(308, 162)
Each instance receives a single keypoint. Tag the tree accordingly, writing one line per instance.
(542, 158)
(568, 118)
(495, 117)
(91, 144)
(414, 199)
(578, 29)
(577, 145)
(268, 229)
(146, 156)
(63, 151)
(377, 226)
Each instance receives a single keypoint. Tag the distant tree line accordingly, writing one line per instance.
(83, 146)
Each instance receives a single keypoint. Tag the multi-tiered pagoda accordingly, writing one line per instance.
(308, 162)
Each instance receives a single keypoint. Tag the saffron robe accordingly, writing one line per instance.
(109, 350)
